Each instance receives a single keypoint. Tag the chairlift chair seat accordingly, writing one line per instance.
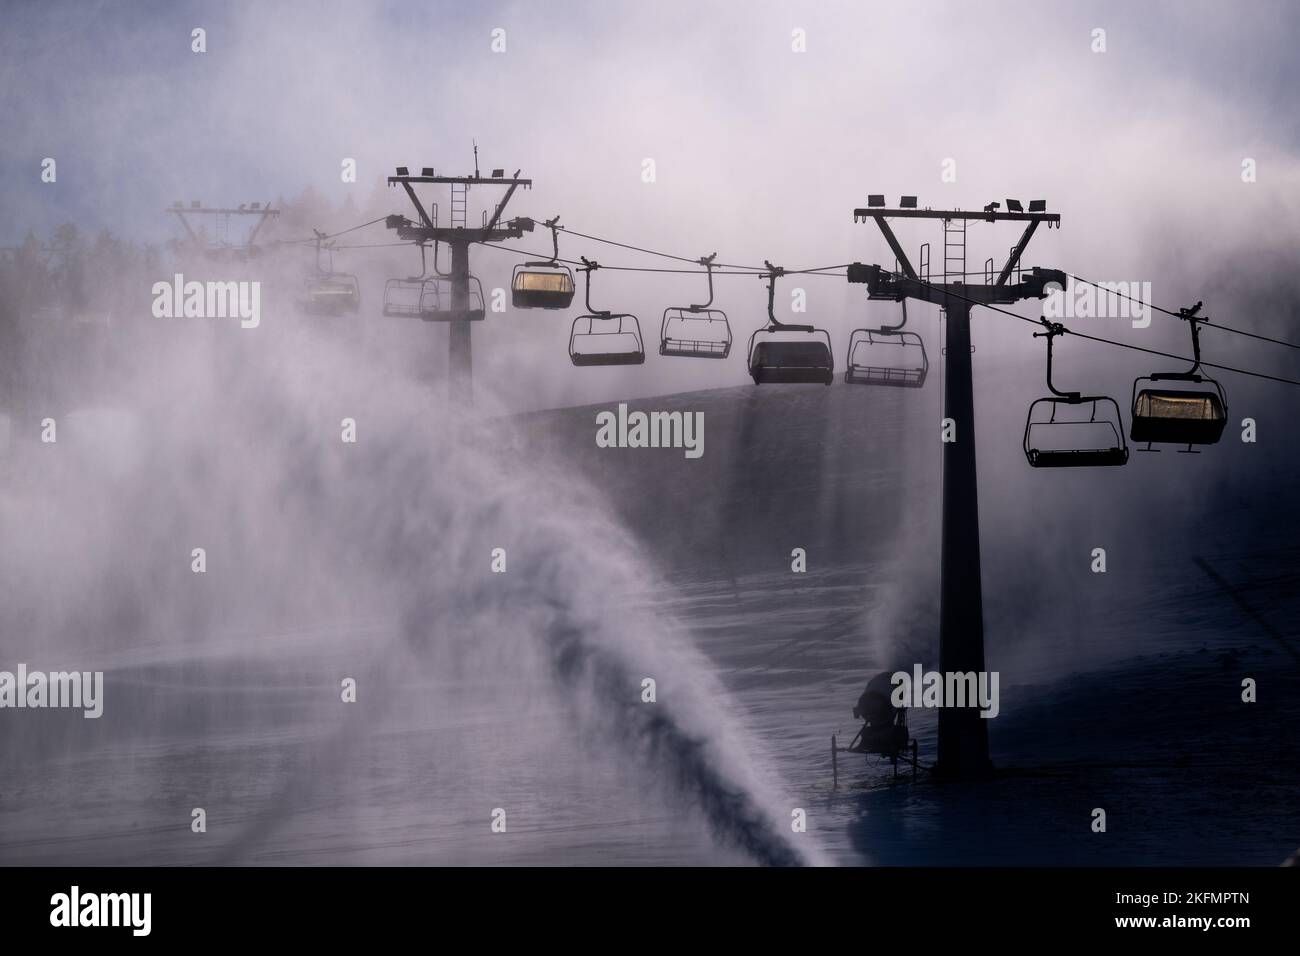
(1077, 457)
(695, 333)
(606, 339)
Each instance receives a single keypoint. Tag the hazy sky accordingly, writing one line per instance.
(761, 152)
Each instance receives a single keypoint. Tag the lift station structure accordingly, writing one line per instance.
(963, 734)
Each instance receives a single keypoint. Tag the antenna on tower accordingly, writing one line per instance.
(475, 142)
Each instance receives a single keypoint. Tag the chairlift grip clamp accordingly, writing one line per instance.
(1053, 329)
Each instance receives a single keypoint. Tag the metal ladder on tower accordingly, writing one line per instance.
(954, 250)
(459, 203)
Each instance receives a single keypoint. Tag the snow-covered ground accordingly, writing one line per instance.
(522, 691)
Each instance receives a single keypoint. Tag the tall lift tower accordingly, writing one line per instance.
(459, 236)
(963, 734)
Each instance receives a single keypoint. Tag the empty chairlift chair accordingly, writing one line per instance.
(411, 298)
(604, 338)
(332, 293)
(1174, 408)
(792, 354)
(887, 356)
(1068, 429)
(414, 296)
(696, 331)
(328, 292)
(452, 307)
(544, 284)
(438, 301)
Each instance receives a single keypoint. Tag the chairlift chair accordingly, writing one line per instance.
(1095, 441)
(696, 331)
(1180, 415)
(332, 294)
(788, 354)
(603, 337)
(887, 356)
(437, 307)
(328, 292)
(544, 284)
(413, 296)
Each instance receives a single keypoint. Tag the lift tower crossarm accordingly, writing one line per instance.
(207, 211)
(882, 284)
(263, 213)
(468, 180)
(876, 212)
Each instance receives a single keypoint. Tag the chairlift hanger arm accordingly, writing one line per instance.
(436, 270)
(1053, 330)
(1190, 315)
(707, 262)
(777, 324)
(891, 329)
(553, 224)
(588, 267)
